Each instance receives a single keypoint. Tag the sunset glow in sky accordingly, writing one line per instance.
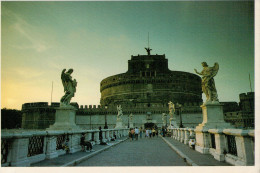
(97, 39)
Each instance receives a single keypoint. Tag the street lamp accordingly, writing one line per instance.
(106, 127)
(90, 122)
(178, 106)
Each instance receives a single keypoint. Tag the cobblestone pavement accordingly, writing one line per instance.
(197, 157)
(143, 152)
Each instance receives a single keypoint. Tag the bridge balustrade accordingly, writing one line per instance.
(24, 147)
(234, 146)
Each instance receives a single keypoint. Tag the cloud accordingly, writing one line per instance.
(27, 31)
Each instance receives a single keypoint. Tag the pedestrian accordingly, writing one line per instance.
(150, 133)
(132, 133)
(156, 132)
(84, 143)
(101, 137)
(163, 131)
(136, 133)
(129, 133)
(153, 132)
(141, 132)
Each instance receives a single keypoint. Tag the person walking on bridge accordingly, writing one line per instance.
(136, 133)
(141, 132)
(132, 131)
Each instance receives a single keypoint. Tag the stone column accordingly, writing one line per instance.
(75, 141)
(186, 136)
(202, 141)
(179, 134)
(175, 136)
(220, 142)
(19, 150)
(111, 134)
(104, 135)
(96, 137)
(107, 135)
(88, 136)
(51, 138)
(245, 152)
(182, 135)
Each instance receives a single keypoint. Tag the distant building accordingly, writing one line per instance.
(245, 116)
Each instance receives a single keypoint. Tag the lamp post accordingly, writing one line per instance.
(90, 122)
(179, 113)
(106, 127)
(166, 120)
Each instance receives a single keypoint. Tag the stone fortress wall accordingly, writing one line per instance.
(148, 80)
(40, 115)
(244, 115)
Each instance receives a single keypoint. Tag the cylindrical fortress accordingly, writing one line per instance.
(149, 81)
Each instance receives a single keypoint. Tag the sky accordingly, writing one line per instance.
(96, 39)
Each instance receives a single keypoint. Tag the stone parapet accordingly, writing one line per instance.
(24, 147)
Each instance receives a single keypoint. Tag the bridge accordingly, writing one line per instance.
(41, 148)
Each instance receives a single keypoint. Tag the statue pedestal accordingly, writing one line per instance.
(173, 123)
(213, 118)
(131, 125)
(65, 119)
(119, 124)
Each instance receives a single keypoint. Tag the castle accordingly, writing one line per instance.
(143, 91)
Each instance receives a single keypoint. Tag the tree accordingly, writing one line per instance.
(11, 118)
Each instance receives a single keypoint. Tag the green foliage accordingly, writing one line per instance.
(11, 118)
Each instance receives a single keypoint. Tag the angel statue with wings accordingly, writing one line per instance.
(120, 112)
(171, 109)
(208, 83)
(69, 86)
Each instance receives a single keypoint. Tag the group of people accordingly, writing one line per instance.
(134, 133)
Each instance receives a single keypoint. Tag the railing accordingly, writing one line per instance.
(235, 146)
(213, 144)
(35, 146)
(24, 147)
(5, 143)
(232, 148)
(60, 140)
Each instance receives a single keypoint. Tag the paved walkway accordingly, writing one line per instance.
(75, 158)
(143, 152)
(194, 157)
(155, 151)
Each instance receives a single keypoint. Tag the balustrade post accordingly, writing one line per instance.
(179, 134)
(111, 134)
(107, 135)
(175, 134)
(220, 144)
(96, 137)
(186, 136)
(75, 142)
(202, 141)
(182, 135)
(104, 135)
(245, 151)
(88, 136)
(19, 150)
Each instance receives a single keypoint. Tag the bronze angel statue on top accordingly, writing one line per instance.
(208, 83)
(69, 86)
